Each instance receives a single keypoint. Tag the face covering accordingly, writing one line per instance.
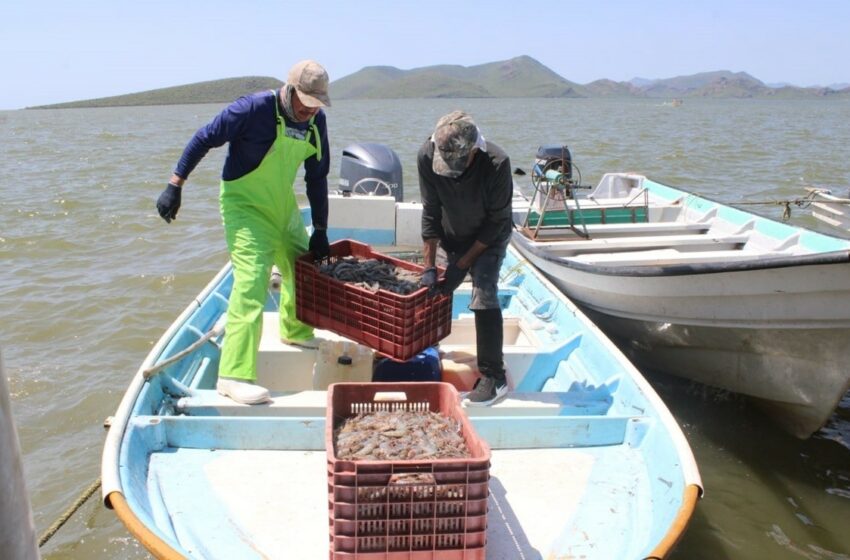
(286, 102)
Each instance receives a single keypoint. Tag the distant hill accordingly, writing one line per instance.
(641, 82)
(609, 88)
(215, 91)
(518, 77)
(522, 76)
(526, 77)
(725, 84)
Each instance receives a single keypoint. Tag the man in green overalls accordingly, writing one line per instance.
(269, 135)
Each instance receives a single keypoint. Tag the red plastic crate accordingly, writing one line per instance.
(415, 509)
(394, 325)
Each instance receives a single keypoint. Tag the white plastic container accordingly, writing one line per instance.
(340, 361)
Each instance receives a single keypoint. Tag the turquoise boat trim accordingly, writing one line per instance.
(545, 363)
(811, 240)
(589, 216)
(148, 507)
(463, 298)
(292, 433)
(668, 193)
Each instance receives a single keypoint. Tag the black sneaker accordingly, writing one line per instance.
(486, 391)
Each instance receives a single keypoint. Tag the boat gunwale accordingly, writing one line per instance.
(692, 495)
(731, 206)
(720, 267)
(159, 548)
(110, 464)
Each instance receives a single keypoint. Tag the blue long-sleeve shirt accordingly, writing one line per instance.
(249, 126)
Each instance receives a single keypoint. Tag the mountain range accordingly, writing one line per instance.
(522, 76)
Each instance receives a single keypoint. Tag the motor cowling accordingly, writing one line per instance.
(369, 168)
(552, 176)
(553, 157)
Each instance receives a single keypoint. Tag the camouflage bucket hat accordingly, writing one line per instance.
(454, 138)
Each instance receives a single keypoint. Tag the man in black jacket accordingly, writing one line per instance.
(466, 189)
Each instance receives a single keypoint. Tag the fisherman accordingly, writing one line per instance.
(466, 189)
(270, 134)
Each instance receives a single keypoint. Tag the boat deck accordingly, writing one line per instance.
(259, 473)
(276, 500)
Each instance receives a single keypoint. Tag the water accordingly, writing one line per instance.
(91, 277)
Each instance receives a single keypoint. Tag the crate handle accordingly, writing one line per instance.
(390, 396)
(400, 479)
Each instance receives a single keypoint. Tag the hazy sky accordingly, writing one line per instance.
(53, 51)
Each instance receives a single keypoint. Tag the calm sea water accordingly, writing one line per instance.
(91, 277)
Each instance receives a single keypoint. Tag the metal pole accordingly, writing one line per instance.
(17, 530)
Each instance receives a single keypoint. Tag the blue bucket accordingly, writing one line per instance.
(424, 366)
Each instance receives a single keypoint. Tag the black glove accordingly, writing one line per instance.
(319, 244)
(454, 277)
(168, 202)
(429, 280)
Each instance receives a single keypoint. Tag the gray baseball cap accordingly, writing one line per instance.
(310, 80)
(454, 138)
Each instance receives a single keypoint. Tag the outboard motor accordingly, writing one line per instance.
(556, 180)
(552, 176)
(370, 169)
(552, 157)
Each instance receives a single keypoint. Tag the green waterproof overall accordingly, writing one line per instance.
(263, 226)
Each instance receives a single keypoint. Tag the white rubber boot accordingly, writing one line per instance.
(242, 392)
(309, 344)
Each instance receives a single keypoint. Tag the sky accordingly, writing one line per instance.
(53, 51)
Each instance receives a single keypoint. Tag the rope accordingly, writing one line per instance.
(513, 271)
(786, 204)
(78, 503)
(216, 331)
(795, 201)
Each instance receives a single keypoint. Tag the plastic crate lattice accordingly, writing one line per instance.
(397, 326)
(378, 508)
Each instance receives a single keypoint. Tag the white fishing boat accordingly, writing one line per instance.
(697, 288)
(585, 460)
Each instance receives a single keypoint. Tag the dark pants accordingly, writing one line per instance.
(489, 335)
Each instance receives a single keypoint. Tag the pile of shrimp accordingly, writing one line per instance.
(372, 275)
(399, 435)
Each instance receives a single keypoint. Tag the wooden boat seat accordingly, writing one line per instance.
(605, 204)
(632, 229)
(299, 433)
(673, 257)
(207, 402)
(578, 245)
